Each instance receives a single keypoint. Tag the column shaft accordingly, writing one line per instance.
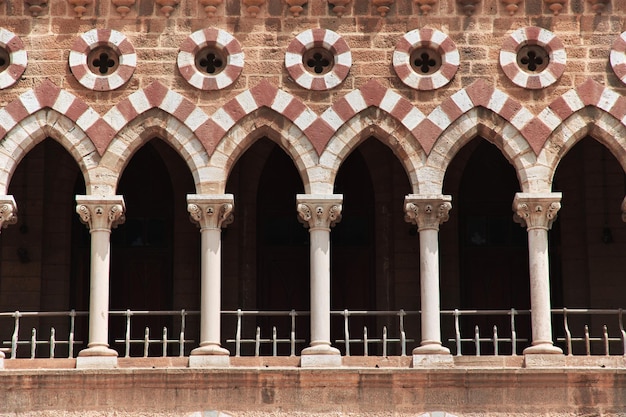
(319, 213)
(100, 214)
(320, 287)
(211, 213)
(537, 212)
(428, 212)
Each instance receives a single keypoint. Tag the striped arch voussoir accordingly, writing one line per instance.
(51, 96)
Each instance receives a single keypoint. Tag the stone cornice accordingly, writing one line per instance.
(211, 211)
(427, 211)
(536, 210)
(101, 213)
(318, 211)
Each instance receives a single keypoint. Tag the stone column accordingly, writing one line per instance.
(537, 211)
(100, 214)
(319, 213)
(428, 212)
(8, 210)
(210, 213)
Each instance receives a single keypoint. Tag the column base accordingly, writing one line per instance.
(97, 357)
(433, 361)
(210, 349)
(431, 349)
(96, 362)
(209, 361)
(546, 348)
(320, 355)
(538, 360)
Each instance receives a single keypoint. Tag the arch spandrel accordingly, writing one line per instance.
(33, 129)
(377, 123)
(263, 122)
(588, 121)
(154, 123)
(489, 125)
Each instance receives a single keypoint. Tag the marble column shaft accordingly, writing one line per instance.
(428, 212)
(100, 214)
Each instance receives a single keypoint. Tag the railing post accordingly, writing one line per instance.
(128, 314)
(477, 340)
(70, 340)
(292, 334)
(52, 342)
(346, 331)
(146, 342)
(365, 342)
(181, 337)
(164, 341)
(15, 336)
(402, 313)
(513, 333)
(622, 332)
(495, 340)
(33, 343)
(457, 332)
(238, 333)
(568, 333)
(257, 342)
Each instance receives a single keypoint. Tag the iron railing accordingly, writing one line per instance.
(264, 333)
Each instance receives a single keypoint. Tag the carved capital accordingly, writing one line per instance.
(319, 211)
(211, 211)
(8, 211)
(101, 213)
(536, 210)
(427, 211)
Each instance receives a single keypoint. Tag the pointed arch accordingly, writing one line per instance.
(488, 124)
(157, 96)
(48, 95)
(587, 121)
(263, 122)
(33, 129)
(375, 122)
(150, 124)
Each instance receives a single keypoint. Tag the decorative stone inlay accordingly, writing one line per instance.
(80, 6)
(8, 211)
(303, 50)
(598, 6)
(511, 6)
(36, 7)
(91, 56)
(209, 50)
(101, 213)
(382, 6)
(425, 6)
(253, 7)
(525, 70)
(210, 6)
(468, 6)
(427, 212)
(167, 6)
(618, 57)
(420, 48)
(13, 58)
(211, 212)
(295, 6)
(123, 6)
(339, 6)
(319, 212)
(536, 210)
(555, 5)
